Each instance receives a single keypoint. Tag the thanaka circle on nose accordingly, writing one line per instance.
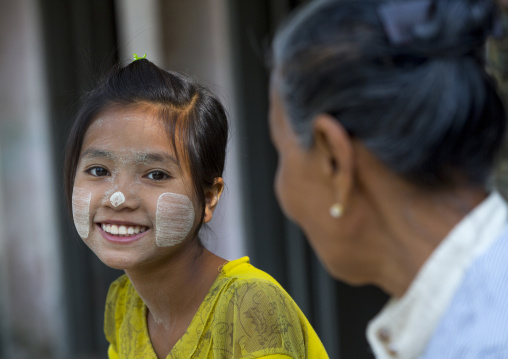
(117, 199)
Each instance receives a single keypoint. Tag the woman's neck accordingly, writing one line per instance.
(402, 223)
(417, 224)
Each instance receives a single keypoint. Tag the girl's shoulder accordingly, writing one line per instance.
(241, 270)
(120, 284)
(243, 286)
(122, 300)
(120, 292)
(254, 316)
(125, 309)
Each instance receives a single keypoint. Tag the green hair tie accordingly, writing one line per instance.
(135, 57)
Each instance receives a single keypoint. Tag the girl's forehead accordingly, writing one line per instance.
(127, 124)
(133, 132)
(132, 118)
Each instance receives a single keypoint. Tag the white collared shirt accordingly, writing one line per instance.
(405, 325)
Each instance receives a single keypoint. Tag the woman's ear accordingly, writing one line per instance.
(212, 196)
(336, 152)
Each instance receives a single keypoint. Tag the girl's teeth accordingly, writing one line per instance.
(122, 230)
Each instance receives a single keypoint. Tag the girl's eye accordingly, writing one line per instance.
(157, 176)
(98, 171)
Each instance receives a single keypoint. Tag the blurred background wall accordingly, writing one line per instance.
(52, 288)
(33, 317)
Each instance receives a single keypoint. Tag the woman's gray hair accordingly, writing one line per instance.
(426, 108)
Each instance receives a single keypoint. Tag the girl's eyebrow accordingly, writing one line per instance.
(151, 157)
(140, 157)
(96, 153)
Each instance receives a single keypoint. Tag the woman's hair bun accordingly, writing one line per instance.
(456, 27)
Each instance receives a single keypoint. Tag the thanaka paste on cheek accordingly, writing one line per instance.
(81, 211)
(117, 199)
(174, 219)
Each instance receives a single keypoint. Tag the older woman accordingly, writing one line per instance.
(387, 127)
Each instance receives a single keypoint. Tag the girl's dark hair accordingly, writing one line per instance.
(188, 110)
(426, 108)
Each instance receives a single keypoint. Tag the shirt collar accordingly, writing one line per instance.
(405, 325)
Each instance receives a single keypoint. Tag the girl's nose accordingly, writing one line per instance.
(117, 199)
(121, 199)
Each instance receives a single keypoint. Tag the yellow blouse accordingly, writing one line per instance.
(246, 314)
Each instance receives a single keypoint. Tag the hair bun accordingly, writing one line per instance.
(457, 27)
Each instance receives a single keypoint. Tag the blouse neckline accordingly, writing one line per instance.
(194, 327)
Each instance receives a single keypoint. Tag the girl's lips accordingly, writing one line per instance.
(121, 239)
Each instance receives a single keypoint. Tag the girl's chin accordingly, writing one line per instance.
(126, 258)
(117, 262)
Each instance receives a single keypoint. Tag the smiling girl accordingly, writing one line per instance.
(142, 175)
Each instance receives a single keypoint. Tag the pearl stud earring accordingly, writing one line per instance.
(336, 210)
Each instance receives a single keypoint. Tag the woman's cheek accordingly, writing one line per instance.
(174, 219)
(81, 211)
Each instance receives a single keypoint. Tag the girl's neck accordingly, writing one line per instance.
(174, 290)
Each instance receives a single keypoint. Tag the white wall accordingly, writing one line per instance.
(31, 278)
(193, 37)
(139, 29)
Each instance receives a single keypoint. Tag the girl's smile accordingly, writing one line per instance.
(132, 198)
(122, 233)
(122, 230)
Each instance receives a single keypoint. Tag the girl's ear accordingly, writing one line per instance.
(336, 153)
(212, 196)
